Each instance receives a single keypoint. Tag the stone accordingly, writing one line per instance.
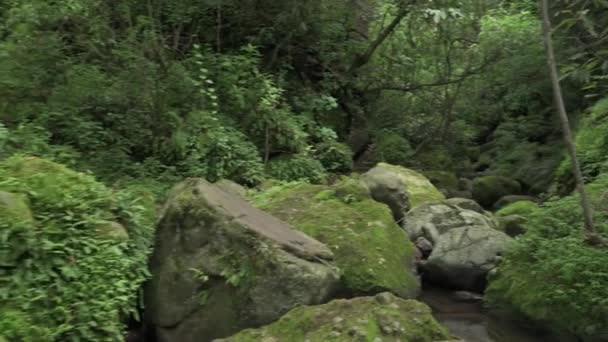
(462, 257)
(391, 320)
(432, 220)
(466, 203)
(513, 225)
(372, 251)
(489, 189)
(506, 201)
(231, 187)
(424, 245)
(467, 297)
(220, 265)
(400, 188)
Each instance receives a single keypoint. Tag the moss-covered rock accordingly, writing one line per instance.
(512, 225)
(508, 200)
(419, 189)
(489, 189)
(445, 181)
(381, 318)
(73, 253)
(521, 208)
(372, 251)
(220, 265)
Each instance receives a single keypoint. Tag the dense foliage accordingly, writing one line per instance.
(73, 253)
(551, 275)
(143, 93)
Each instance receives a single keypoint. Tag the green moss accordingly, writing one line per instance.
(443, 179)
(489, 189)
(522, 208)
(373, 253)
(419, 188)
(364, 318)
(14, 207)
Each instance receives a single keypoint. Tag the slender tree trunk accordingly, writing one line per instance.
(561, 108)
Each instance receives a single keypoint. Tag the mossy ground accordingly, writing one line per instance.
(373, 253)
(419, 188)
(359, 319)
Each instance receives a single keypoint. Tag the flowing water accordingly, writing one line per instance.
(470, 322)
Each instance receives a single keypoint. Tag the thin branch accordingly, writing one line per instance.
(364, 58)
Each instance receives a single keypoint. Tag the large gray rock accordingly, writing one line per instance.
(462, 257)
(400, 188)
(432, 220)
(220, 265)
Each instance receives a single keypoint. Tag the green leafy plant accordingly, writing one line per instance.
(73, 258)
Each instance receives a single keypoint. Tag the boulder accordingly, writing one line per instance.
(381, 318)
(432, 220)
(513, 225)
(462, 257)
(400, 188)
(465, 203)
(373, 252)
(506, 201)
(231, 187)
(522, 208)
(446, 182)
(489, 189)
(220, 265)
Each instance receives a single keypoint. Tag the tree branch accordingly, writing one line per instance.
(364, 58)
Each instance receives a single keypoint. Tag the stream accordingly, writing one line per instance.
(472, 323)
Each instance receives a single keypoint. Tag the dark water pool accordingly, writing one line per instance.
(470, 322)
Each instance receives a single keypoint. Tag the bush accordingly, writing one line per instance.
(393, 149)
(335, 157)
(73, 257)
(551, 274)
(299, 167)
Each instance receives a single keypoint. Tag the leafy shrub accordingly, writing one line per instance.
(392, 148)
(550, 274)
(299, 167)
(592, 147)
(335, 156)
(70, 270)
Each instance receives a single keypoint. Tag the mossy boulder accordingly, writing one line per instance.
(521, 208)
(489, 189)
(508, 200)
(231, 187)
(220, 265)
(60, 260)
(372, 251)
(513, 225)
(445, 181)
(380, 318)
(387, 183)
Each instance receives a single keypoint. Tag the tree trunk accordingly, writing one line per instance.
(559, 102)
